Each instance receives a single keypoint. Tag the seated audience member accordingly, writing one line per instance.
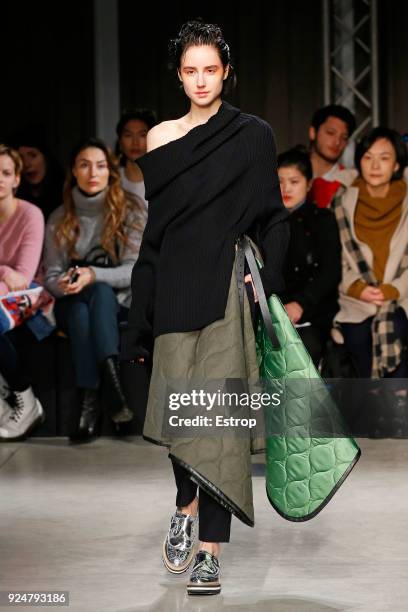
(92, 243)
(21, 241)
(312, 268)
(372, 215)
(42, 177)
(131, 131)
(329, 132)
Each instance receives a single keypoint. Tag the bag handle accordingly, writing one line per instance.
(243, 243)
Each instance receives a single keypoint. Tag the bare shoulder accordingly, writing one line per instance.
(163, 133)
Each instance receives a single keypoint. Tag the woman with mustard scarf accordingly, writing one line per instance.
(373, 220)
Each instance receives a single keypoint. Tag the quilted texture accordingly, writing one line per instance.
(303, 471)
(308, 453)
(219, 463)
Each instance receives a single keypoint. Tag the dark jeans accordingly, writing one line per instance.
(11, 365)
(358, 341)
(214, 519)
(90, 319)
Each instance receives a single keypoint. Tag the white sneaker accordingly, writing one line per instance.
(5, 411)
(24, 416)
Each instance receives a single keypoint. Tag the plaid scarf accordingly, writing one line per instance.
(387, 348)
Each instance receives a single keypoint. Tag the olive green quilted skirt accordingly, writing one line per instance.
(219, 464)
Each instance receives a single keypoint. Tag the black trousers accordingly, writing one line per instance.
(214, 519)
(358, 340)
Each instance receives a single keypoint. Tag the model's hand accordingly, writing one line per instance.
(248, 279)
(294, 310)
(15, 281)
(86, 276)
(64, 280)
(372, 295)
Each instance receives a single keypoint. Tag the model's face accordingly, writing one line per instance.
(34, 164)
(330, 140)
(202, 74)
(133, 139)
(91, 170)
(294, 186)
(379, 163)
(8, 178)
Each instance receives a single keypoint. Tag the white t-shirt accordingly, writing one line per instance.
(137, 188)
(330, 174)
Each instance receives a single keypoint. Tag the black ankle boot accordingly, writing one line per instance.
(88, 423)
(118, 409)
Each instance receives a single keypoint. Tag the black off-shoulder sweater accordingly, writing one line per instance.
(204, 190)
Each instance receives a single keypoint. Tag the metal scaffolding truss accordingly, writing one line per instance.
(351, 59)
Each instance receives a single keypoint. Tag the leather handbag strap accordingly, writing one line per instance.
(245, 247)
(240, 273)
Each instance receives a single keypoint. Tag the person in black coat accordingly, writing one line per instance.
(43, 178)
(312, 269)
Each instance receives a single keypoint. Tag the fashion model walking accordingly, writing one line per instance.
(210, 177)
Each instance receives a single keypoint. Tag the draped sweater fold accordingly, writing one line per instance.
(204, 189)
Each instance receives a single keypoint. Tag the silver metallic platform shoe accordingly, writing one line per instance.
(205, 577)
(179, 545)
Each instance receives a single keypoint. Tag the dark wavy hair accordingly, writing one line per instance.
(195, 33)
(393, 137)
(298, 157)
(146, 115)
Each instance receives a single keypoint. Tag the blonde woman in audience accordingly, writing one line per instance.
(21, 241)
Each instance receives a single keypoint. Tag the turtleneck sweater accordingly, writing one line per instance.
(90, 212)
(375, 221)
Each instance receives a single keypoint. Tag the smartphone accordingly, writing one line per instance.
(74, 275)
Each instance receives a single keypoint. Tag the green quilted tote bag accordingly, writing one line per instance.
(308, 451)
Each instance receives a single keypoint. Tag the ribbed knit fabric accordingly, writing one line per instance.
(204, 190)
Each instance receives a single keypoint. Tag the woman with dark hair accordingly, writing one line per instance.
(92, 243)
(372, 214)
(42, 177)
(312, 269)
(131, 131)
(210, 177)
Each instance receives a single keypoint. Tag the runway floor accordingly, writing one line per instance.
(91, 519)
